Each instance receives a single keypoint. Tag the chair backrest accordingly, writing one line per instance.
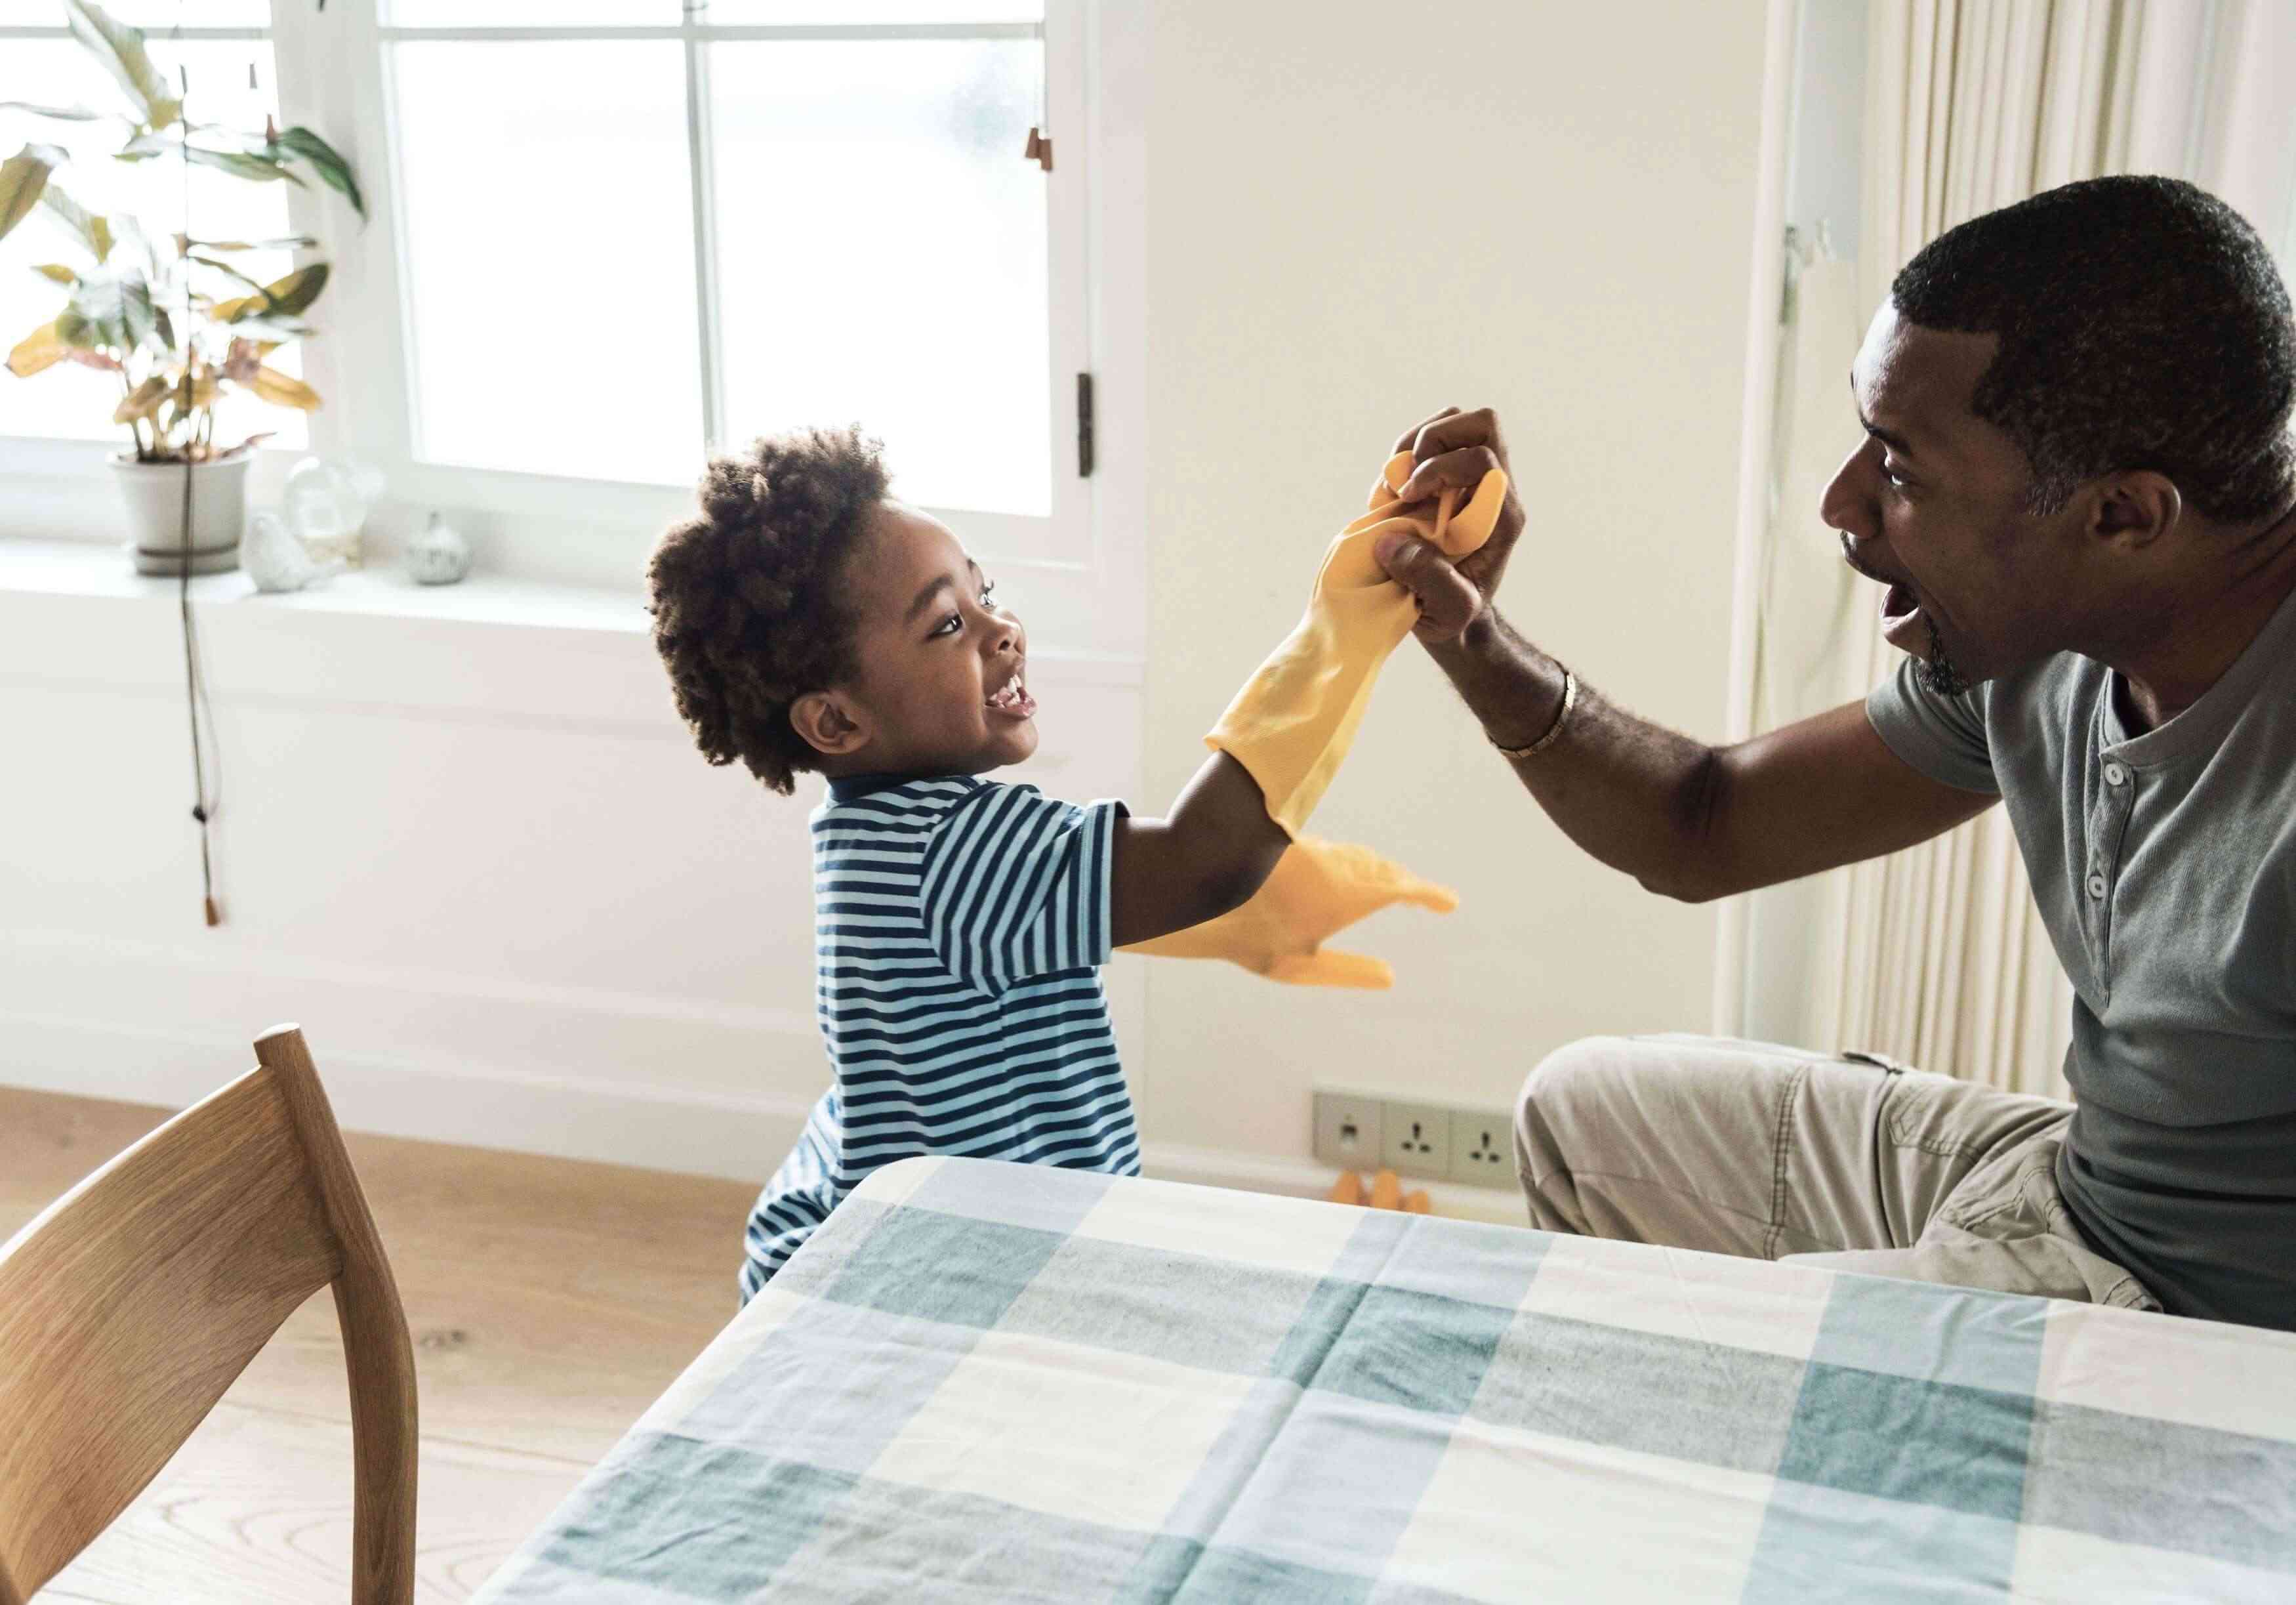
(131, 1304)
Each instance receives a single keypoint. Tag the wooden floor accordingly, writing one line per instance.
(550, 1301)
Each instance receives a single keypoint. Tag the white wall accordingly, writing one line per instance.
(480, 862)
(473, 852)
(1546, 209)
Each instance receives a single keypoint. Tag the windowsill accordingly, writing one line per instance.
(103, 571)
(76, 568)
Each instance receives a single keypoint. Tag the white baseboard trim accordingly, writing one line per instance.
(696, 1131)
(1306, 1178)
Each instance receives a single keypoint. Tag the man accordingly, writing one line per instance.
(2078, 491)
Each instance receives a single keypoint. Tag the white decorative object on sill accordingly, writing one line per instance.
(327, 501)
(275, 560)
(440, 555)
(154, 495)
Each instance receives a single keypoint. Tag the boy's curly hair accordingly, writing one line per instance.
(748, 603)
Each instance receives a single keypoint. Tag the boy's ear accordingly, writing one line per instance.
(828, 724)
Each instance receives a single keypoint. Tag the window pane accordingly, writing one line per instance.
(532, 14)
(882, 256)
(72, 401)
(549, 256)
(761, 13)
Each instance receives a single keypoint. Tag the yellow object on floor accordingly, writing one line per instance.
(1293, 722)
(1386, 1193)
(1319, 889)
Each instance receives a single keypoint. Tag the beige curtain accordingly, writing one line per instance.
(1937, 956)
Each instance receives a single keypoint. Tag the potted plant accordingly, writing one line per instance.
(179, 324)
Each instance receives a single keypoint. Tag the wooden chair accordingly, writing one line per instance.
(131, 1304)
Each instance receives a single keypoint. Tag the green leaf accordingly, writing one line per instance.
(283, 298)
(292, 243)
(142, 401)
(58, 272)
(97, 318)
(261, 169)
(141, 319)
(223, 267)
(23, 180)
(94, 232)
(60, 113)
(121, 49)
(281, 391)
(295, 294)
(333, 171)
(144, 147)
(272, 331)
(115, 311)
(128, 236)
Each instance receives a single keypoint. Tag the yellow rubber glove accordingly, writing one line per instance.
(1293, 722)
(1318, 888)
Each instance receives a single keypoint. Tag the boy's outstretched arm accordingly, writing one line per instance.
(1208, 856)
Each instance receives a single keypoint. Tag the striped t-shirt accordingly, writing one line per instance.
(960, 928)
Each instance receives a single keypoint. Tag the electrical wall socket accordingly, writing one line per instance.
(1348, 1131)
(1416, 1139)
(1362, 1132)
(1482, 1148)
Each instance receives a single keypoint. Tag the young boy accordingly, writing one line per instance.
(810, 623)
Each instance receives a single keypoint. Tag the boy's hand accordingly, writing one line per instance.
(1454, 450)
(1319, 889)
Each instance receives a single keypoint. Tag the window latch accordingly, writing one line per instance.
(1039, 149)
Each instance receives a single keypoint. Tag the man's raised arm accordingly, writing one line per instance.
(1685, 818)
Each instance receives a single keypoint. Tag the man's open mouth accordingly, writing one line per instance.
(1011, 698)
(1900, 605)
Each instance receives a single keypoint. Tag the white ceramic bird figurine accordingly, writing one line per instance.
(275, 560)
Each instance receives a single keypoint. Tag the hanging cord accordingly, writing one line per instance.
(205, 804)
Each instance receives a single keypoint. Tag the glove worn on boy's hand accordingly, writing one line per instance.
(1293, 723)
(1318, 888)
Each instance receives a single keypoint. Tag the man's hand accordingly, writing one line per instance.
(1454, 450)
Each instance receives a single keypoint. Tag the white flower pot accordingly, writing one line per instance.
(154, 495)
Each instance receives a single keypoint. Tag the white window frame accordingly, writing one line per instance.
(1079, 569)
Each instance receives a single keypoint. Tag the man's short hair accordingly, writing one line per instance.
(2143, 325)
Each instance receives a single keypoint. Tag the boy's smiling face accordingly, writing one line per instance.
(938, 683)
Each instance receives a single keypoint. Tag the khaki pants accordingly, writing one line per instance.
(1747, 1148)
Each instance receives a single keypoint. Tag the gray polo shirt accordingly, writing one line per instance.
(2165, 869)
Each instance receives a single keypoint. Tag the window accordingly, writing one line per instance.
(857, 237)
(625, 234)
(610, 235)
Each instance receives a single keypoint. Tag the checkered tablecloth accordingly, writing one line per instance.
(988, 1382)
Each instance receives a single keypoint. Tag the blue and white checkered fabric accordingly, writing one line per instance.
(991, 1382)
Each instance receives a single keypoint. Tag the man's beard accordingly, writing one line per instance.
(1938, 671)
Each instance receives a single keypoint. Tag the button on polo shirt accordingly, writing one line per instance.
(2164, 866)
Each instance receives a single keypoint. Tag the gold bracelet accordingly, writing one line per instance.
(1562, 717)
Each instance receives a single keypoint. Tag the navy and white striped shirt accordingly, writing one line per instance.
(960, 928)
